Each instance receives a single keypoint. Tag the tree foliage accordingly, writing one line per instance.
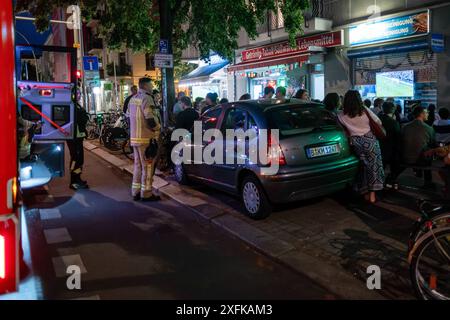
(209, 25)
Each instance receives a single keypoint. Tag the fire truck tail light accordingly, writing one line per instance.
(11, 192)
(2, 257)
(14, 190)
(46, 93)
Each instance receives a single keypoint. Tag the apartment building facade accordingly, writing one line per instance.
(119, 70)
(347, 44)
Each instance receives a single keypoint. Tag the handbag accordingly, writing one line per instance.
(375, 127)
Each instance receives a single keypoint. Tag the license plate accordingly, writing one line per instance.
(322, 151)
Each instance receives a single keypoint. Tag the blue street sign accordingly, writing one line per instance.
(90, 63)
(437, 42)
(163, 46)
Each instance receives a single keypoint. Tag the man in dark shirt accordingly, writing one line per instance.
(211, 101)
(134, 91)
(417, 138)
(185, 119)
(390, 145)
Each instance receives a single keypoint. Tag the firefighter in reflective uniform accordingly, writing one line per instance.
(144, 127)
(76, 147)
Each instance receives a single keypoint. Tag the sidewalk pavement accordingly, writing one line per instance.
(331, 240)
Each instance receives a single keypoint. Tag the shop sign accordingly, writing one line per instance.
(92, 78)
(437, 42)
(384, 30)
(325, 40)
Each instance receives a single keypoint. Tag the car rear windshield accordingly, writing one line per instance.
(299, 119)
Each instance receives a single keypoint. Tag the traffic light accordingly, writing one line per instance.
(78, 74)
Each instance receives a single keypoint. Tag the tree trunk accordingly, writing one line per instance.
(166, 25)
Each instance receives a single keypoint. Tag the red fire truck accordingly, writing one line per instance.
(41, 99)
(9, 204)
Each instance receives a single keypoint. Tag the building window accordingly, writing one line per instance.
(149, 64)
(277, 20)
(122, 59)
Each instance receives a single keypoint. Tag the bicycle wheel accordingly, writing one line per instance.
(421, 227)
(91, 131)
(115, 138)
(430, 265)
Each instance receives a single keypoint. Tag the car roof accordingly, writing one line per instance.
(268, 104)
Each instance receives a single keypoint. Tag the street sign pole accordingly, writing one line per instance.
(165, 107)
(165, 47)
(115, 84)
(164, 61)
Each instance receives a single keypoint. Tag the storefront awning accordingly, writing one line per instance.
(269, 62)
(202, 74)
(390, 48)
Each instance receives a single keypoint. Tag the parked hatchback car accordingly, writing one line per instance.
(314, 155)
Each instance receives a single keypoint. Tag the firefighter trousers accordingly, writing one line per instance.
(76, 159)
(142, 173)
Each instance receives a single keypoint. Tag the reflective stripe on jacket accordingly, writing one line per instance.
(142, 108)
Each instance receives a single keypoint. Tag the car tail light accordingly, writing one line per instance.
(274, 151)
(213, 119)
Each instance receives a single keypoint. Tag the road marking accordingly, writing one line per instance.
(47, 214)
(60, 264)
(81, 199)
(57, 235)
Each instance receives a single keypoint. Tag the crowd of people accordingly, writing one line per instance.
(404, 142)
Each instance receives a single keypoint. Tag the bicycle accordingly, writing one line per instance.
(429, 252)
(94, 125)
(115, 136)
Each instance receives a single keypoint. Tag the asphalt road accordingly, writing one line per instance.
(135, 250)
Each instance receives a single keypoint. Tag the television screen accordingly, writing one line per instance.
(395, 84)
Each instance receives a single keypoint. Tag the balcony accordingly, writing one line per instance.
(95, 45)
(122, 70)
(272, 28)
(273, 21)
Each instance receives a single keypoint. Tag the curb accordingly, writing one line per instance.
(337, 281)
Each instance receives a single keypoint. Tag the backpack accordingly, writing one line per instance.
(82, 118)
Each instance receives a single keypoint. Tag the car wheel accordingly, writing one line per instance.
(255, 201)
(180, 174)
